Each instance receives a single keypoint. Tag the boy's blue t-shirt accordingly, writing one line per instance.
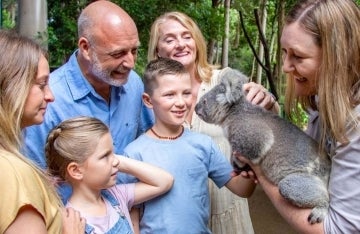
(191, 159)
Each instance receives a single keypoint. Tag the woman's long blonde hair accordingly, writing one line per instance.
(203, 69)
(18, 70)
(334, 25)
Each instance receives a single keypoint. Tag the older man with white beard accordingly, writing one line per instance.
(97, 81)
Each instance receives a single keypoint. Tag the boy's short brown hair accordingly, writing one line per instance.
(160, 67)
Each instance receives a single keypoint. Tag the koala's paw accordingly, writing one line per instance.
(239, 166)
(317, 215)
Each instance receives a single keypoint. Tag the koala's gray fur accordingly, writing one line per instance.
(288, 157)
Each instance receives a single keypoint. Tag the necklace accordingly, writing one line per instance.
(168, 138)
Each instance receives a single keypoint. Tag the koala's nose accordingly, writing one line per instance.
(196, 108)
(200, 105)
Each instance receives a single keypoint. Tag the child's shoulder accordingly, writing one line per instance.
(197, 136)
(139, 142)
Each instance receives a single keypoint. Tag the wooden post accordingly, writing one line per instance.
(32, 20)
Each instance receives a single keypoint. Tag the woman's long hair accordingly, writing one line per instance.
(18, 69)
(334, 25)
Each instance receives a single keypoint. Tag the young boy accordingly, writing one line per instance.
(190, 157)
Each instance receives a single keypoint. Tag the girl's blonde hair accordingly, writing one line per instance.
(73, 140)
(203, 68)
(18, 70)
(334, 25)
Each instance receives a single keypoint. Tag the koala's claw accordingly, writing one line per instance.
(239, 169)
(317, 215)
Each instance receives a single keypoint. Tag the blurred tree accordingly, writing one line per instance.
(225, 50)
(32, 20)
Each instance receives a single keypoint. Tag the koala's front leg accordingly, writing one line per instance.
(306, 191)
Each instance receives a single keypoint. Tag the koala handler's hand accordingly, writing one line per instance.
(258, 95)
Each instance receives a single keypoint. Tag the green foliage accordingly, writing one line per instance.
(7, 22)
(62, 29)
(7, 14)
(300, 119)
(241, 59)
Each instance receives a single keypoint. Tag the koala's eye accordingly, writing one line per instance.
(204, 101)
(222, 89)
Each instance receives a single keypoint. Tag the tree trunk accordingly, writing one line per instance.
(261, 47)
(225, 51)
(280, 77)
(210, 50)
(236, 43)
(32, 20)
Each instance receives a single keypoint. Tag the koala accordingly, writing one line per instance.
(288, 157)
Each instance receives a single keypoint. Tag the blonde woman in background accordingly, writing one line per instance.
(175, 35)
(28, 202)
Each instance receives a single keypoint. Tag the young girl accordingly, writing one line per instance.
(192, 158)
(80, 151)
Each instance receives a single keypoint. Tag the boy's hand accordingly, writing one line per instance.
(249, 172)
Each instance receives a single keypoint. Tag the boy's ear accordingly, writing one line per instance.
(147, 100)
(74, 171)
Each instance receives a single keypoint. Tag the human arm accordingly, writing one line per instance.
(295, 216)
(241, 186)
(153, 181)
(258, 95)
(28, 220)
(135, 219)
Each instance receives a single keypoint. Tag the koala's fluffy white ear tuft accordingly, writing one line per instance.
(221, 98)
(229, 90)
(233, 81)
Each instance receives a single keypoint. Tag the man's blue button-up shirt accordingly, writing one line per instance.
(125, 115)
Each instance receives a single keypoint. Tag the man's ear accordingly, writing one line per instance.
(74, 171)
(147, 100)
(84, 46)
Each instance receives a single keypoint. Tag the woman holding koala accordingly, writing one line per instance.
(321, 56)
(175, 35)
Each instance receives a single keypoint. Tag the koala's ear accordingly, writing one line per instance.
(233, 81)
(229, 93)
(221, 94)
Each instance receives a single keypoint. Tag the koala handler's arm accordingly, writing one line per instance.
(241, 186)
(295, 216)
